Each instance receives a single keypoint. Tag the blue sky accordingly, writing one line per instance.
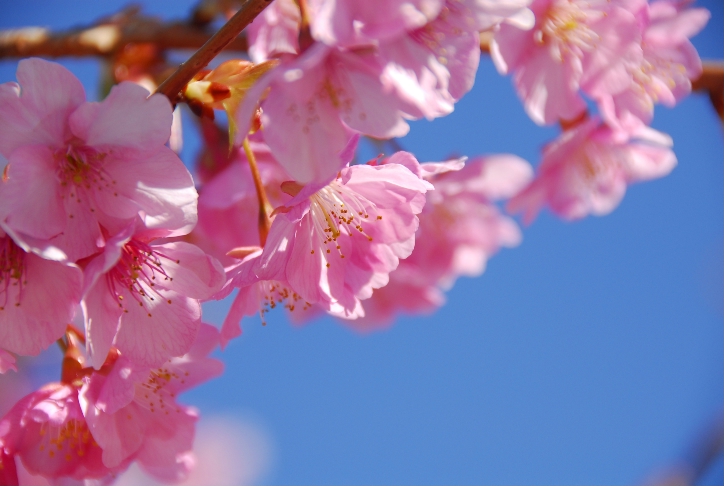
(592, 353)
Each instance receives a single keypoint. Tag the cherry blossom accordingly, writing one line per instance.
(48, 432)
(143, 297)
(662, 74)
(38, 295)
(586, 170)
(336, 242)
(132, 412)
(571, 39)
(76, 166)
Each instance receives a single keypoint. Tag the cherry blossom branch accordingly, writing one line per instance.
(173, 85)
(106, 37)
(264, 221)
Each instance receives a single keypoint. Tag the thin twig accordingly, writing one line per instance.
(264, 221)
(201, 58)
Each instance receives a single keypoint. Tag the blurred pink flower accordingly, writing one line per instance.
(38, 296)
(274, 33)
(586, 170)
(662, 74)
(228, 204)
(133, 415)
(350, 23)
(229, 451)
(571, 39)
(74, 166)
(48, 432)
(143, 298)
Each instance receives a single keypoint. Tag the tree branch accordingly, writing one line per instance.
(106, 37)
(201, 58)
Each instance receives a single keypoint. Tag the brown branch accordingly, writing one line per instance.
(106, 37)
(712, 81)
(201, 58)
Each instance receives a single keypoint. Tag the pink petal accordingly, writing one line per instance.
(37, 113)
(102, 317)
(31, 193)
(151, 334)
(126, 118)
(33, 319)
(193, 273)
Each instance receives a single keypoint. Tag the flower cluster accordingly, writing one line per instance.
(625, 56)
(101, 222)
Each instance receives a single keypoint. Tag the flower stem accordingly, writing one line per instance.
(173, 85)
(264, 221)
(62, 345)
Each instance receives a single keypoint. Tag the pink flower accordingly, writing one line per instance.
(588, 168)
(48, 432)
(571, 39)
(460, 229)
(7, 362)
(317, 102)
(38, 295)
(662, 74)
(76, 166)
(338, 242)
(143, 298)
(433, 66)
(133, 415)
(351, 23)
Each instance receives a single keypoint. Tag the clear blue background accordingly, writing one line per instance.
(592, 353)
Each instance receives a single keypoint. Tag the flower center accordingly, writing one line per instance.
(565, 28)
(153, 394)
(12, 272)
(137, 272)
(335, 210)
(82, 169)
(70, 439)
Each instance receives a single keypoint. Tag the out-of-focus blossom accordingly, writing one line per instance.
(48, 432)
(460, 229)
(275, 32)
(349, 23)
(75, 166)
(571, 40)
(587, 169)
(229, 451)
(132, 412)
(38, 296)
(662, 74)
(143, 297)
(228, 203)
